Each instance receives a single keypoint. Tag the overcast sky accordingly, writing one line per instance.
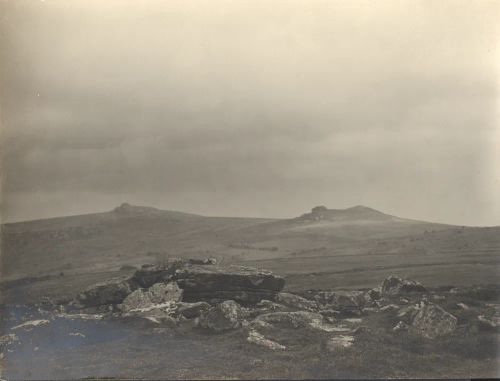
(251, 108)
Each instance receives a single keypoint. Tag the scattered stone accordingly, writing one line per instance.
(79, 316)
(157, 313)
(297, 319)
(270, 306)
(263, 307)
(401, 326)
(432, 321)
(296, 301)
(438, 297)
(161, 317)
(353, 320)
(259, 324)
(47, 303)
(257, 338)
(339, 342)
(340, 328)
(360, 329)
(491, 322)
(168, 307)
(8, 340)
(205, 261)
(390, 308)
(222, 317)
(328, 313)
(113, 291)
(31, 324)
(394, 285)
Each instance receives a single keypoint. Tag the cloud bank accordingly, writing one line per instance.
(251, 108)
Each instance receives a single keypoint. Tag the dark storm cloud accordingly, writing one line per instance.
(250, 108)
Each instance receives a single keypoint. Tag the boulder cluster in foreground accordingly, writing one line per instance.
(201, 295)
(222, 299)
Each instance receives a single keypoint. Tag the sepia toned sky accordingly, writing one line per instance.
(251, 108)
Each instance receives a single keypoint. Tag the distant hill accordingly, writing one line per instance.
(94, 242)
(349, 246)
(356, 213)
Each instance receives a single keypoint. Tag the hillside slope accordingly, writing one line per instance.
(103, 241)
(349, 247)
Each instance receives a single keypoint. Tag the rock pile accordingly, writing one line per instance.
(222, 299)
(191, 282)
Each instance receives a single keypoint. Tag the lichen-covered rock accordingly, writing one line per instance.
(192, 310)
(157, 294)
(347, 303)
(113, 291)
(394, 285)
(408, 313)
(432, 321)
(296, 301)
(222, 317)
(161, 292)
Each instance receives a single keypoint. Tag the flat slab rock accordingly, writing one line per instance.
(149, 275)
(243, 284)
